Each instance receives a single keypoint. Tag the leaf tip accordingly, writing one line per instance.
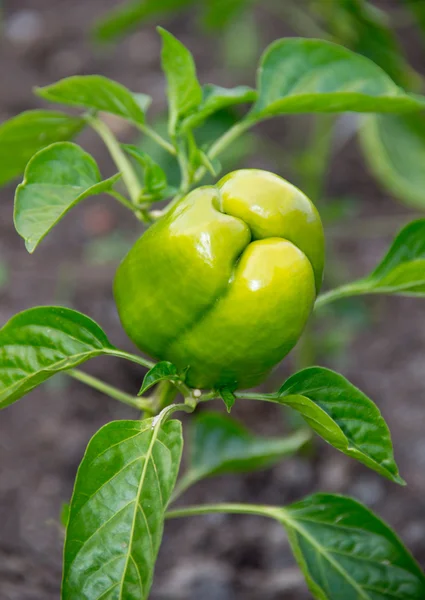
(30, 246)
(162, 32)
(399, 480)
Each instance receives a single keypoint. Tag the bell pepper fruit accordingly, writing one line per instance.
(224, 283)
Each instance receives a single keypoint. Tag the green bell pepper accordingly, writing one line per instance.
(224, 283)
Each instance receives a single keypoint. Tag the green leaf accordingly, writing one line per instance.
(220, 445)
(64, 514)
(299, 75)
(347, 552)
(128, 16)
(343, 416)
(228, 398)
(394, 147)
(117, 510)
(219, 14)
(418, 10)
(39, 342)
(163, 370)
(344, 550)
(24, 135)
(401, 271)
(184, 91)
(155, 179)
(56, 179)
(364, 28)
(98, 93)
(215, 98)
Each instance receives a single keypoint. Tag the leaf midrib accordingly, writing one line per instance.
(289, 521)
(148, 457)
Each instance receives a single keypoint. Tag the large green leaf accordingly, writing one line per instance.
(299, 75)
(364, 28)
(219, 444)
(56, 179)
(401, 271)
(24, 135)
(219, 14)
(394, 147)
(343, 416)
(215, 98)
(126, 17)
(184, 91)
(117, 510)
(39, 342)
(347, 552)
(98, 93)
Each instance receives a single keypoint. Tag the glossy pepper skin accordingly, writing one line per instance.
(225, 282)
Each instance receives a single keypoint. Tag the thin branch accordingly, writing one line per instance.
(109, 390)
(225, 508)
(124, 165)
(132, 357)
(157, 138)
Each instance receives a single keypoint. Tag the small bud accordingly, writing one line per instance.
(197, 393)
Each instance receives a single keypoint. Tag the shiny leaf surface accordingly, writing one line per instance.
(215, 98)
(228, 398)
(163, 370)
(183, 89)
(343, 416)
(56, 179)
(39, 342)
(98, 93)
(300, 75)
(401, 272)
(154, 177)
(24, 135)
(117, 510)
(345, 551)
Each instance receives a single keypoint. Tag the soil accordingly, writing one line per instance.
(43, 437)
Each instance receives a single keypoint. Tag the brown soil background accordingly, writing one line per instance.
(43, 437)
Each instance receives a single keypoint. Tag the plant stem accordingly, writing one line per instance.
(193, 475)
(214, 151)
(169, 410)
(132, 357)
(163, 396)
(109, 390)
(356, 288)
(228, 137)
(124, 166)
(157, 138)
(229, 508)
(184, 168)
(274, 398)
(222, 143)
(123, 200)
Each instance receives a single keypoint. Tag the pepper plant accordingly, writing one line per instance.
(217, 290)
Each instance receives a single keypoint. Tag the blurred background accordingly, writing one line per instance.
(377, 342)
